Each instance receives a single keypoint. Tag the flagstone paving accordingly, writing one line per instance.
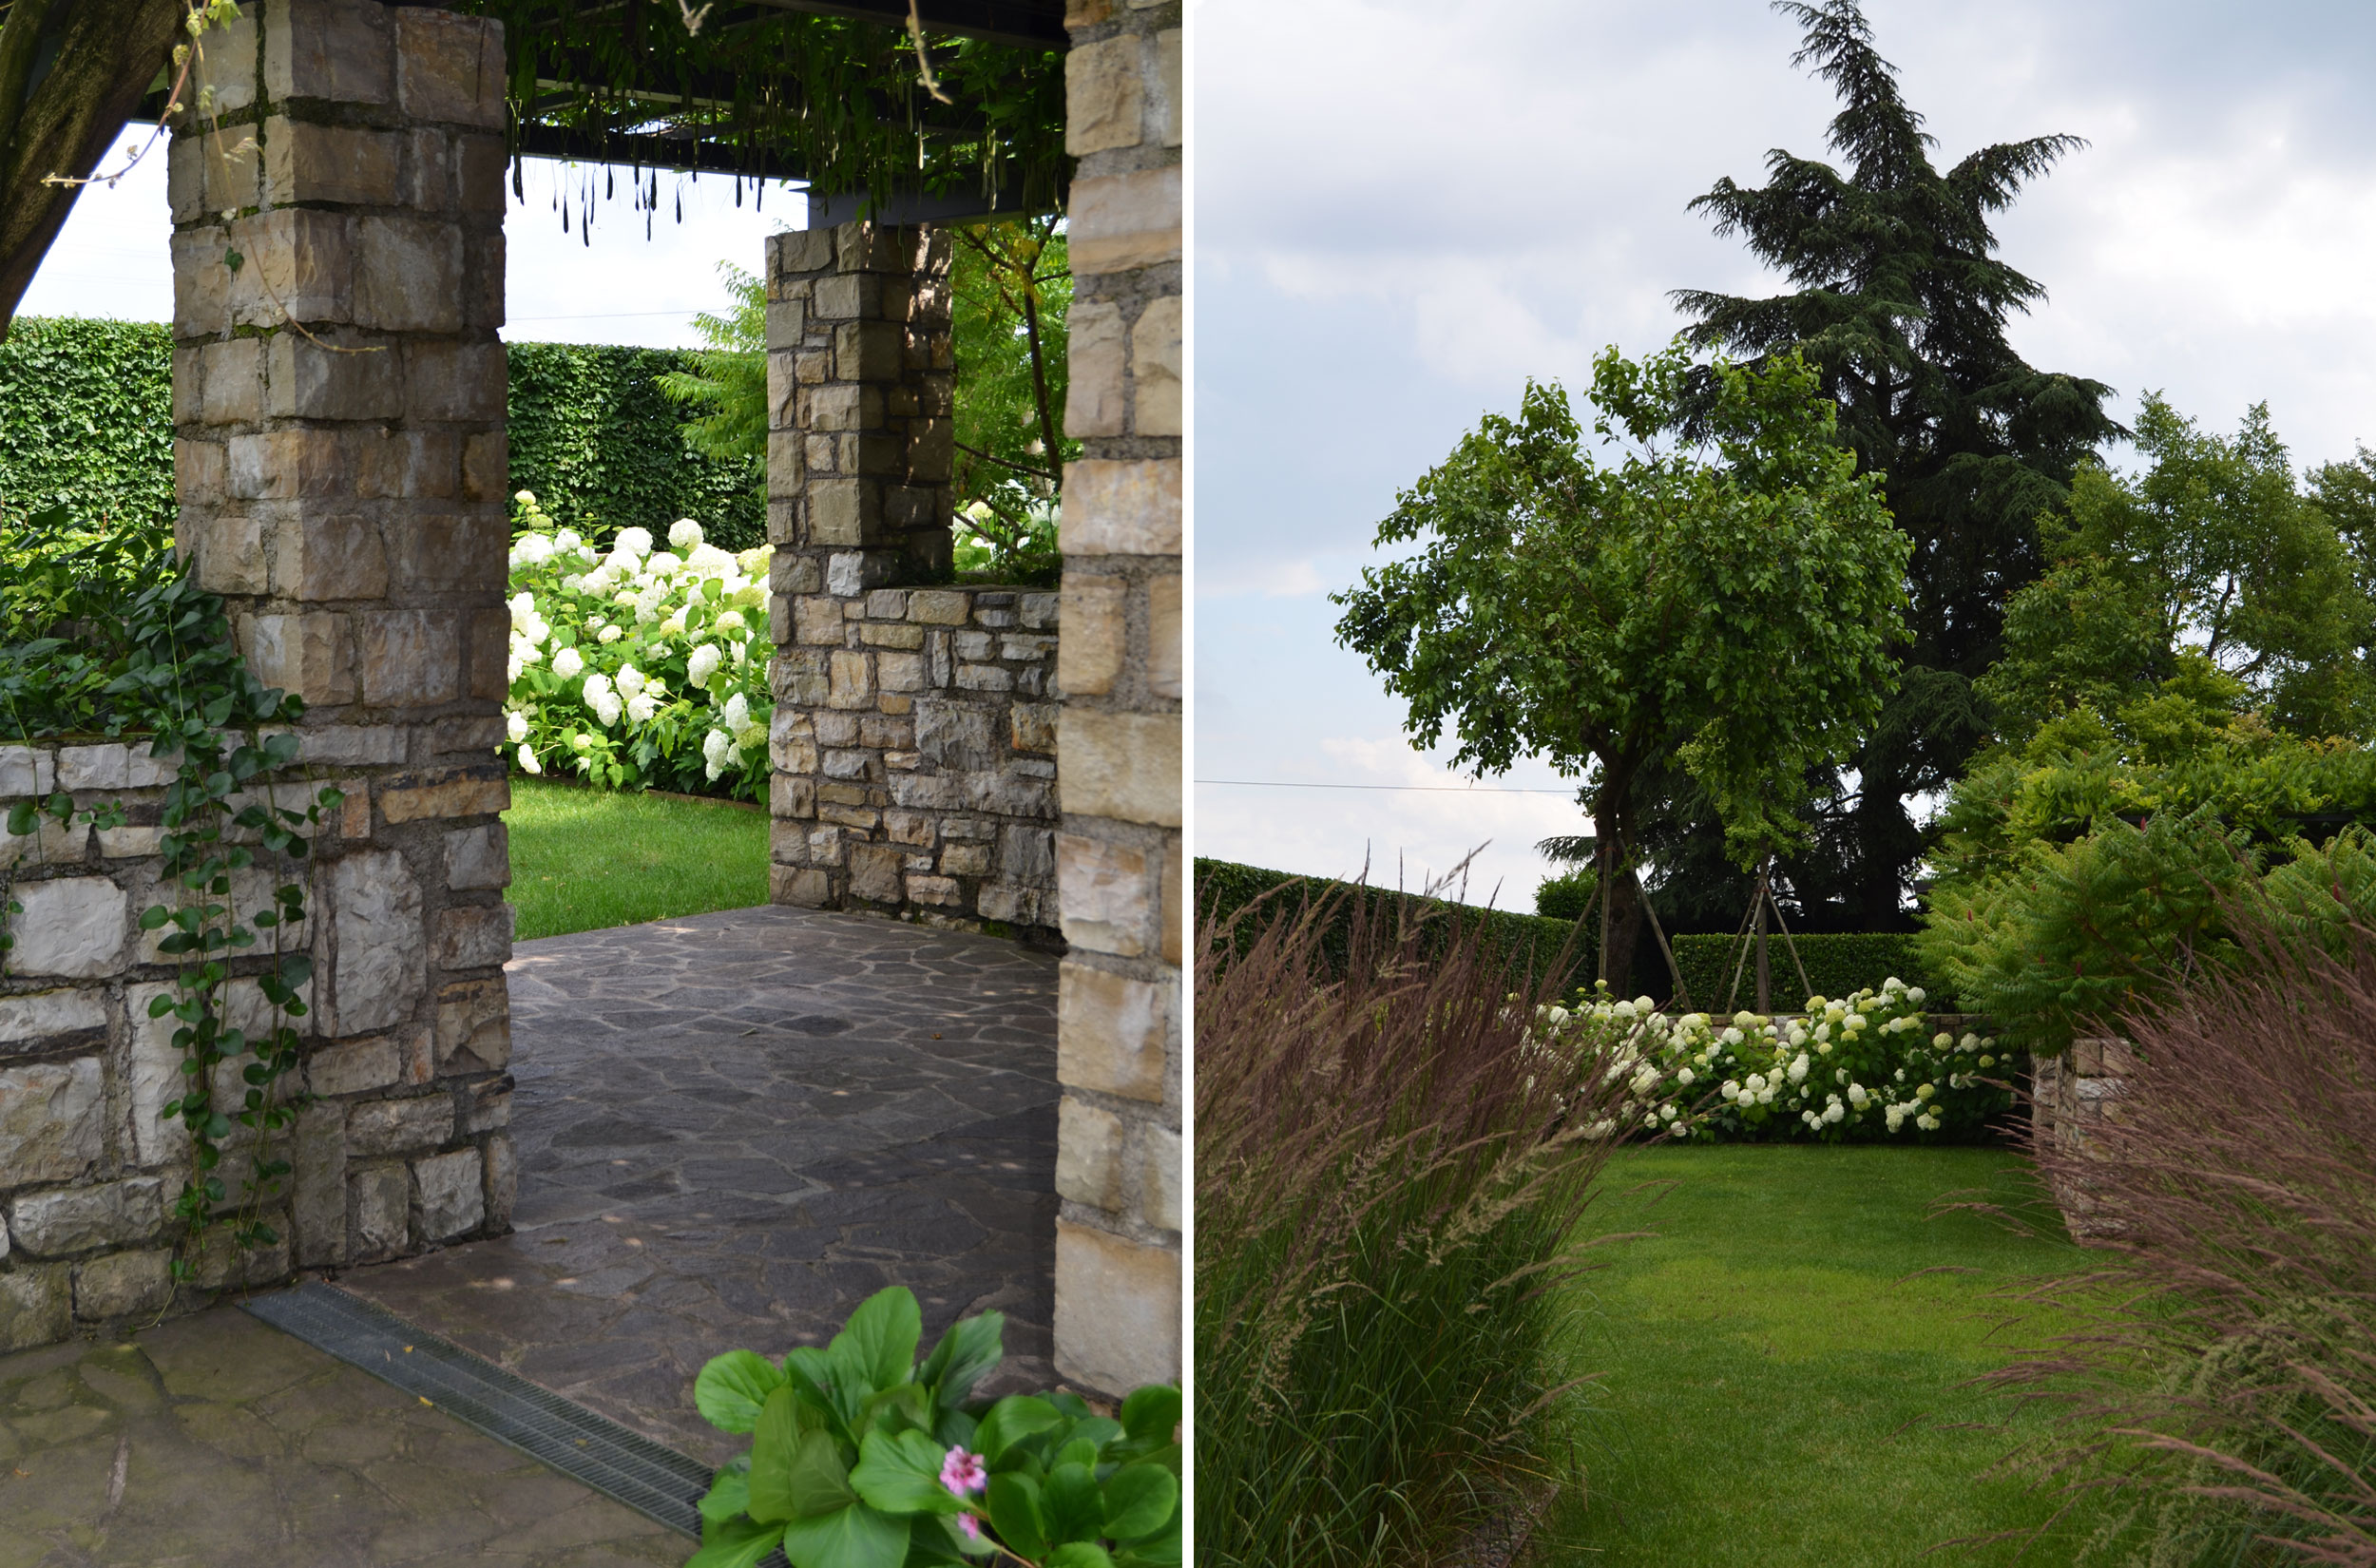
(731, 1129)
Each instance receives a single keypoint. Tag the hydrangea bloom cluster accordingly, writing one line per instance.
(1865, 1066)
(638, 666)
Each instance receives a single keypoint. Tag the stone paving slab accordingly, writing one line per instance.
(731, 1129)
(213, 1441)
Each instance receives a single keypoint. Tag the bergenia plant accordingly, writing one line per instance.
(863, 1458)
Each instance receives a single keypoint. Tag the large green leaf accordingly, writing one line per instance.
(962, 1358)
(729, 1493)
(902, 1473)
(1152, 1413)
(876, 1348)
(1015, 1511)
(1079, 1554)
(811, 1370)
(855, 1536)
(736, 1543)
(1015, 1417)
(774, 1441)
(817, 1482)
(1139, 1500)
(731, 1388)
(1069, 1505)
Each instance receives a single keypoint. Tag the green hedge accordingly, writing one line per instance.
(85, 419)
(1836, 964)
(600, 446)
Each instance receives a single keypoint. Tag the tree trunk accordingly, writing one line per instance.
(1621, 919)
(72, 73)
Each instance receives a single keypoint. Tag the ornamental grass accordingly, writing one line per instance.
(2221, 1402)
(1390, 1165)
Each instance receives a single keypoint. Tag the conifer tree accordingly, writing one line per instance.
(1899, 299)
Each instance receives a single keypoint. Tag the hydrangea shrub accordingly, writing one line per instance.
(1866, 1067)
(637, 667)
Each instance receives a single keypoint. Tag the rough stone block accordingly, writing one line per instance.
(804, 887)
(868, 351)
(473, 794)
(27, 770)
(47, 1021)
(304, 162)
(379, 1207)
(75, 1219)
(36, 1305)
(874, 872)
(454, 1194)
(1117, 1309)
(1164, 637)
(1122, 507)
(318, 1185)
(219, 1264)
(354, 1066)
(966, 860)
(52, 1120)
(1089, 655)
(474, 1026)
(1110, 1032)
(1168, 87)
(379, 970)
(310, 655)
(1032, 727)
(852, 679)
(71, 925)
(448, 381)
(1104, 896)
(398, 1126)
(1104, 96)
(487, 1104)
(474, 937)
(1122, 765)
(94, 768)
(1122, 222)
(800, 250)
(449, 68)
(1161, 1173)
(122, 1285)
(1088, 1155)
(480, 856)
(1155, 368)
(338, 51)
(502, 1183)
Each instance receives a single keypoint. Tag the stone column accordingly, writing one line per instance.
(1119, 758)
(339, 456)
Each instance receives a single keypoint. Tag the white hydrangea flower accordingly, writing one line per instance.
(574, 582)
(731, 621)
(527, 760)
(523, 606)
(1797, 1070)
(568, 542)
(531, 549)
(674, 624)
(662, 564)
(1834, 1113)
(702, 664)
(635, 542)
(1684, 1076)
(1916, 995)
(737, 710)
(1858, 1096)
(641, 708)
(717, 747)
(525, 498)
(684, 533)
(1941, 1040)
(630, 681)
(516, 725)
(709, 561)
(610, 634)
(567, 662)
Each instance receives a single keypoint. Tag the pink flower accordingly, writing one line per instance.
(962, 1472)
(971, 1525)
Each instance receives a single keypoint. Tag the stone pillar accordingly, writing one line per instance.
(1118, 759)
(339, 458)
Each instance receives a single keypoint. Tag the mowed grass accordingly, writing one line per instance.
(1779, 1390)
(584, 860)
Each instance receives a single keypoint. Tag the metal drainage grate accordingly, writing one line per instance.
(652, 1479)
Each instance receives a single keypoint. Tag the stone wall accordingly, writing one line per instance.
(915, 728)
(340, 461)
(1119, 888)
(403, 1146)
(915, 772)
(2070, 1095)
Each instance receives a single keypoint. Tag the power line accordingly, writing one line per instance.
(1436, 789)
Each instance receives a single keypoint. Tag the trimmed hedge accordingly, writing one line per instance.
(593, 436)
(86, 420)
(1838, 964)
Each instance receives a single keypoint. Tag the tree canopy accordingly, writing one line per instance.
(1723, 603)
(2215, 554)
(1900, 302)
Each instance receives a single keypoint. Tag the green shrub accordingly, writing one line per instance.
(1564, 897)
(1837, 964)
(87, 422)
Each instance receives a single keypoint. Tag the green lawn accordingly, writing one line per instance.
(584, 859)
(1779, 1393)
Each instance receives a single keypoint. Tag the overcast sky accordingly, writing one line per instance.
(1404, 209)
(112, 260)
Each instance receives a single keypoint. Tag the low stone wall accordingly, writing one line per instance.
(914, 751)
(2072, 1095)
(399, 1143)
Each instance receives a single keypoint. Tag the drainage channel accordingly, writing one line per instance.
(623, 1465)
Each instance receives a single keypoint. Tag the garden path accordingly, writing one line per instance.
(735, 1127)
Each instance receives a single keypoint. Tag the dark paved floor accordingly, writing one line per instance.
(735, 1127)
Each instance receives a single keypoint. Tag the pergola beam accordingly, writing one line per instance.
(1031, 24)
